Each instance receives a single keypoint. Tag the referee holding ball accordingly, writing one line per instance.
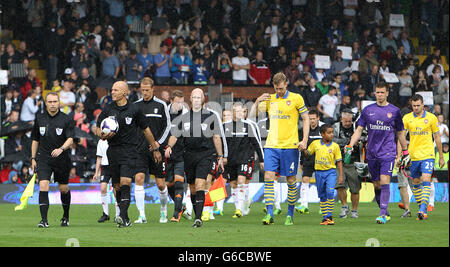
(52, 136)
(122, 152)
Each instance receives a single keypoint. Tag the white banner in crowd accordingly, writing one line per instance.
(322, 62)
(346, 52)
(390, 77)
(396, 20)
(427, 98)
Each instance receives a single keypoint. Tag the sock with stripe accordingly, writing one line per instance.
(124, 201)
(417, 192)
(292, 198)
(199, 203)
(330, 207)
(426, 190)
(235, 198)
(43, 204)
(187, 201)
(65, 202)
(323, 208)
(139, 195)
(269, 196)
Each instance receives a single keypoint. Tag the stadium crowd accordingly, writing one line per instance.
(84, 44)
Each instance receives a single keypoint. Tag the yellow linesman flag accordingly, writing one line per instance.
(216, 192)
(27, 193)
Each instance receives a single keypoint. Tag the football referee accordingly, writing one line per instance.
(52, 136)
(202, 136)
(122, 152)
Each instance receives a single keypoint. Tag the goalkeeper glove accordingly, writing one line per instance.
(405, 161)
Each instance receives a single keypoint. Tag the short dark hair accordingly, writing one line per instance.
(325, 127)
(417, 97)
(313, 112)
(381, 84)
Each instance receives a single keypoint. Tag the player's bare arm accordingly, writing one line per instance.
(306, 125)
(217, 139)
(56, 152)
(437, 139)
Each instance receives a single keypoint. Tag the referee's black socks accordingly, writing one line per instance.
(65, 201)
(124, 201)
(199, 202)
(43, 204)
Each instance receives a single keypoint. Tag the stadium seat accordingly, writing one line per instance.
(444, 63)
(421, 58)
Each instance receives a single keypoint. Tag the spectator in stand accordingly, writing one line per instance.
(199, 72)
(435, 61)
(224, 69)
(272, 35)
(327, 104)
(421, 82)
(241, 65)
(132, 67)
(350, 35)
(443, 129)
(259, 70)
(334, 34)
(146, 61)
(339, 65)
(311, 94)
(111, 66)
(9, 57)
(30, 108)
(181, 66)
(367, 62)
(370, 81)
(31, 82)
(406, 85)
(407, 44)
(67, 97)
(7, 104)
(354, 85)
(73, 177)
(388, 40)
(81, 59)
(162, 70)
(292, 72)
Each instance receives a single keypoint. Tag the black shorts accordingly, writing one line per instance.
(308, 166)
(243, 169)
(172, 168)
(145, 161)
(106, 176)
(122, 162)
(60, 168)
(198, 165)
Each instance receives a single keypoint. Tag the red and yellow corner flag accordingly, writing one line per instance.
(27, 193)
(216, 192)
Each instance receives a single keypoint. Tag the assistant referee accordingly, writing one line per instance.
(52, 136)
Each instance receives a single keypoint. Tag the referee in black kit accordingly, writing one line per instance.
(122, 152)
(52, 136)
(202, 137)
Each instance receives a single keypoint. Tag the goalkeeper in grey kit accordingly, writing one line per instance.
(122, 144)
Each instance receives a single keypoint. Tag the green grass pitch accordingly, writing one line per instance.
(18, 228)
